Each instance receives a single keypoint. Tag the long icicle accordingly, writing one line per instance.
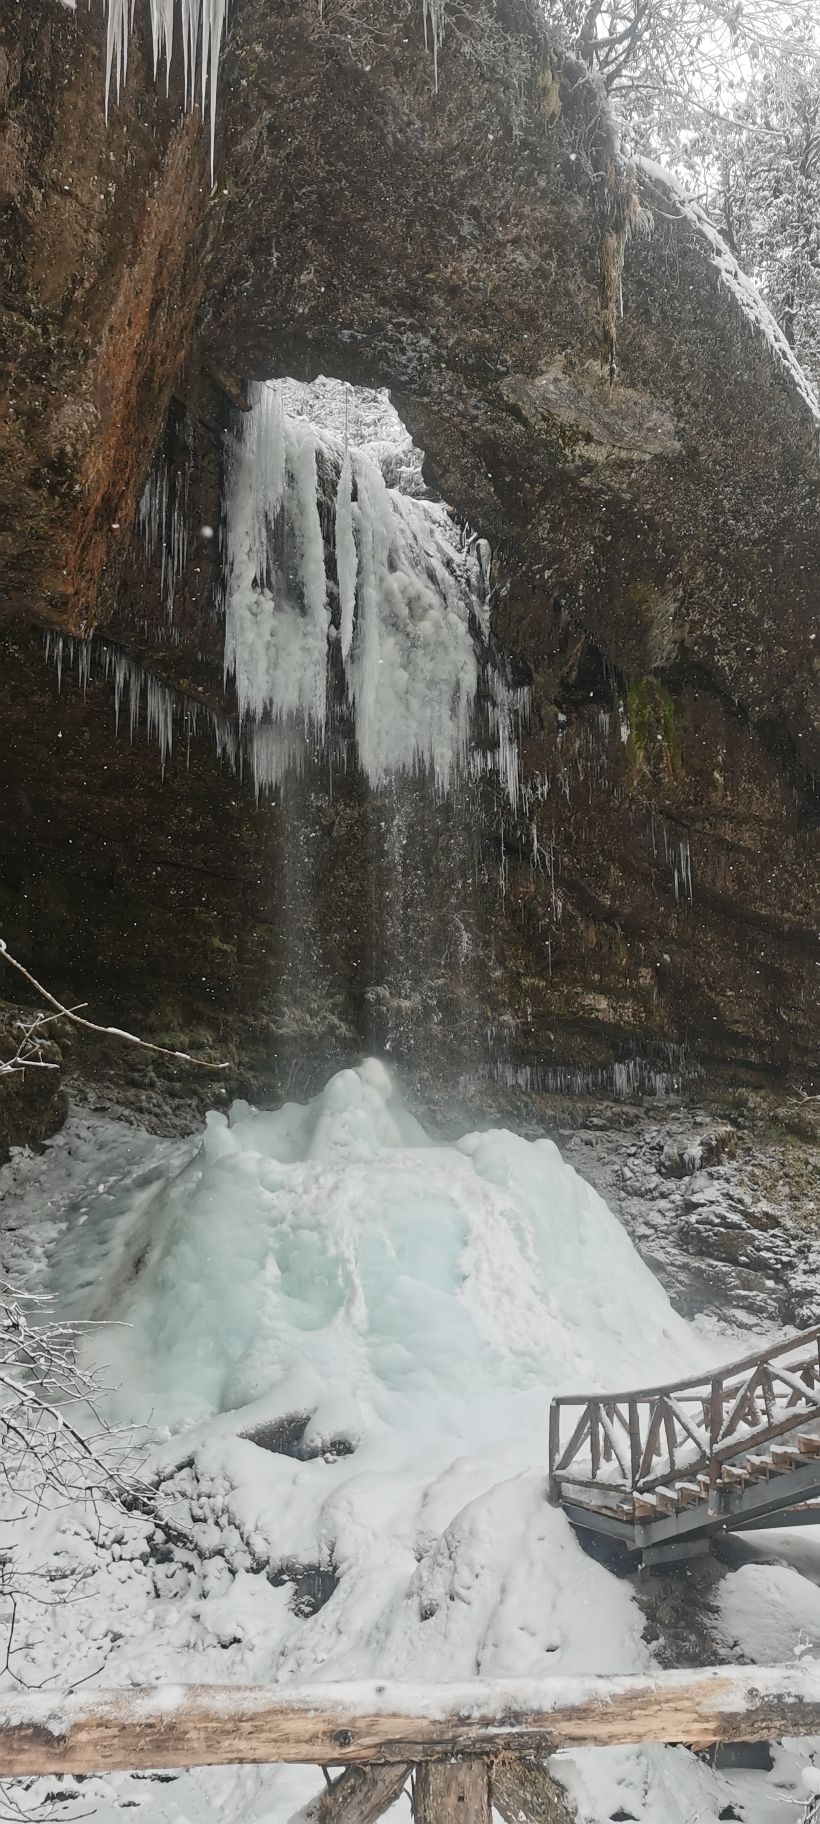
(200, 20)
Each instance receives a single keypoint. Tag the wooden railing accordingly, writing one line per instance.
(471, 1745)
(639, 1439)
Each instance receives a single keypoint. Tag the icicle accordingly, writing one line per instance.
(276, 614)
(434, 11)
(202, 20)
(346, 559)
(159, 716)
(134, 694)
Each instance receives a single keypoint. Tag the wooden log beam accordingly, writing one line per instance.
(359, 1796)
(452, 1792)
(93, 1731)
(523, 1791)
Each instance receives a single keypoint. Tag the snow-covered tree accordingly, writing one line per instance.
(727, 95)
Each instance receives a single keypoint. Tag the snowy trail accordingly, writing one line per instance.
(345, 1338)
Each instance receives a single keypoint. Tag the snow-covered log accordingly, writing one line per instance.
(223, 1725)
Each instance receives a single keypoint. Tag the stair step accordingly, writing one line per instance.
(784, 1456)
(646, 1507)
(807, 1445)
(734, 1476)
(758, 1466)
(689, 1492)
(667, 1500)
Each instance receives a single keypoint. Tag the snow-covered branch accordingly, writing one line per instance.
(27, 1051)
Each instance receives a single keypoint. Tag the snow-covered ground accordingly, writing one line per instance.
(341, 1339)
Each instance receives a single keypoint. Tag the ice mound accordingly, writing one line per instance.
(331, 1261)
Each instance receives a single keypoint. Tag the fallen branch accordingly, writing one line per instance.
(107, 1032)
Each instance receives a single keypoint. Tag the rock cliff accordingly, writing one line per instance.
(593, 392)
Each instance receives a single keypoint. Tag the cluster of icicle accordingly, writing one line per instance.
(165, 710)
(411, 623)
(201, 25)
(162, 524)
(201, 29)
(628, 1077)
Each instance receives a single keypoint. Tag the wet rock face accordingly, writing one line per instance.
(100, 227)
(657, 545)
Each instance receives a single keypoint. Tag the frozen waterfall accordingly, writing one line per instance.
(407, 607)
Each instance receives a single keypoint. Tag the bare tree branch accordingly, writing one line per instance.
(110, 1032)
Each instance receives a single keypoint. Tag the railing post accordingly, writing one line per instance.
(452, 1792)
(594, 1436)
(715, 1425)
(634, 1441)
(554, 1490)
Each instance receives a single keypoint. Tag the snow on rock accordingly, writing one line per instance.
(743, 291)
(770, 1612)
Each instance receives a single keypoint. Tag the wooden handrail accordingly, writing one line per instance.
(656, 1433)
(176, 1726)
(695, 1381)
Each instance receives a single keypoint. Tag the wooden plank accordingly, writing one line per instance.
(91, 1731)
(360, 1795)
(783, 1456)
(667, 1500)
(807, 1445)
(646, 1507)
(523, 1792)
(452, 1792)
